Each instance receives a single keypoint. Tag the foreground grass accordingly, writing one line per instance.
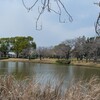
(11, 89)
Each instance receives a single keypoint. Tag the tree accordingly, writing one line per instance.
(71, 44)
(62, 51)
(96, 48)
(47, 5)
(79, 47)
(4, 46)
(17, 44)
(3, 49)
(21, 43)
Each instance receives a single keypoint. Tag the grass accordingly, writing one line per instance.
(84, 63)
(53, 61)
(12, 89)
(45, 60)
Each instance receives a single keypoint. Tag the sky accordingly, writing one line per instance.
(15, 20)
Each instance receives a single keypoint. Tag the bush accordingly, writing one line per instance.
(63, 61)
(3, 58)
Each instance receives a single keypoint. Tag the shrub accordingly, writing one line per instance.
(63, 61)
(3, 58)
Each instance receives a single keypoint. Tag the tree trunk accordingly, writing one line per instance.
(17, 54)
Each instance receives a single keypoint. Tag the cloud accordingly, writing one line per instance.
(15, 20)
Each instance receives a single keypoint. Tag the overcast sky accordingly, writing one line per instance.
(15, 20)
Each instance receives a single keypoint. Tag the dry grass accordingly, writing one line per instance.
(53, 61)
(83, 63)
(11, 89)
(45, 60)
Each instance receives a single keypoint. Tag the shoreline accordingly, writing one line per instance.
(86, 64)
(45, 60)
(53, 61)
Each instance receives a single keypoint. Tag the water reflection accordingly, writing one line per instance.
(46, 72)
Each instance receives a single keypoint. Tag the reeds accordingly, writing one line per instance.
(12, 89)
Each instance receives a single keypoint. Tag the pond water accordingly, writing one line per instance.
(47, 72)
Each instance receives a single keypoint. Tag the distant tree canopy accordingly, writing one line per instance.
(16, 44)
(80, 48)
(43, 5)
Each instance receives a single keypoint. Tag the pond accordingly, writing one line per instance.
(43, 73)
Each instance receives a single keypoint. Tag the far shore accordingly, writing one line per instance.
(53, 61)
(45, 60)
(84, 63)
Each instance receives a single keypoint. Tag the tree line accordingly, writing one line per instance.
(22, 46)
(25, 47)
(80, 48)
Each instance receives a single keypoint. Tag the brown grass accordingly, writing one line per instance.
(84, 63)
(45, 60)
(12, 89)
(53, 61)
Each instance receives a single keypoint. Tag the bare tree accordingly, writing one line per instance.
(79, 48)
(47, 5)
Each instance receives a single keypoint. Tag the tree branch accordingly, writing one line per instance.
(46, 4)
(97, 26)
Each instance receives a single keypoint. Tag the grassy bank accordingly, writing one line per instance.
(11, 89)
(54, 61)
(45, 60)
(84, 63)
